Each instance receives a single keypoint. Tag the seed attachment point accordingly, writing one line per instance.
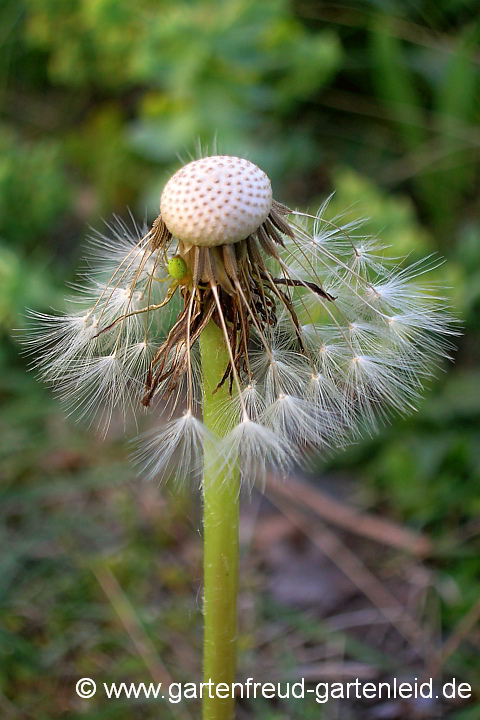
(217, 200)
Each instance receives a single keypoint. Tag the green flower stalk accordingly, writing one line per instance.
(221, 492)
(262, 333)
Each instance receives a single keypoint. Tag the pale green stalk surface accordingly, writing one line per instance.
(221, 500)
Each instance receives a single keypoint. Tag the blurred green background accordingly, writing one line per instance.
(379, 101)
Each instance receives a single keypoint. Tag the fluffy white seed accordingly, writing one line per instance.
(175, 448)
(258, 448)
(216, 201)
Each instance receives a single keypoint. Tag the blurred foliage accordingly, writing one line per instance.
(33, 188)
(378, 101)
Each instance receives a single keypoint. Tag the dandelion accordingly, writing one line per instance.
(278, 333)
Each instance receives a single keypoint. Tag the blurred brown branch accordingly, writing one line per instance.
(349, 518)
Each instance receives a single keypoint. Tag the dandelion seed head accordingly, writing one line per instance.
(326, 336)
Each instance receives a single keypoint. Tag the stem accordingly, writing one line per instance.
(220, 508)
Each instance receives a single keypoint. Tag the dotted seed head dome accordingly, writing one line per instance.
(216, 201)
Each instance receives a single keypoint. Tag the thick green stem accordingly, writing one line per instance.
(220, 508)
